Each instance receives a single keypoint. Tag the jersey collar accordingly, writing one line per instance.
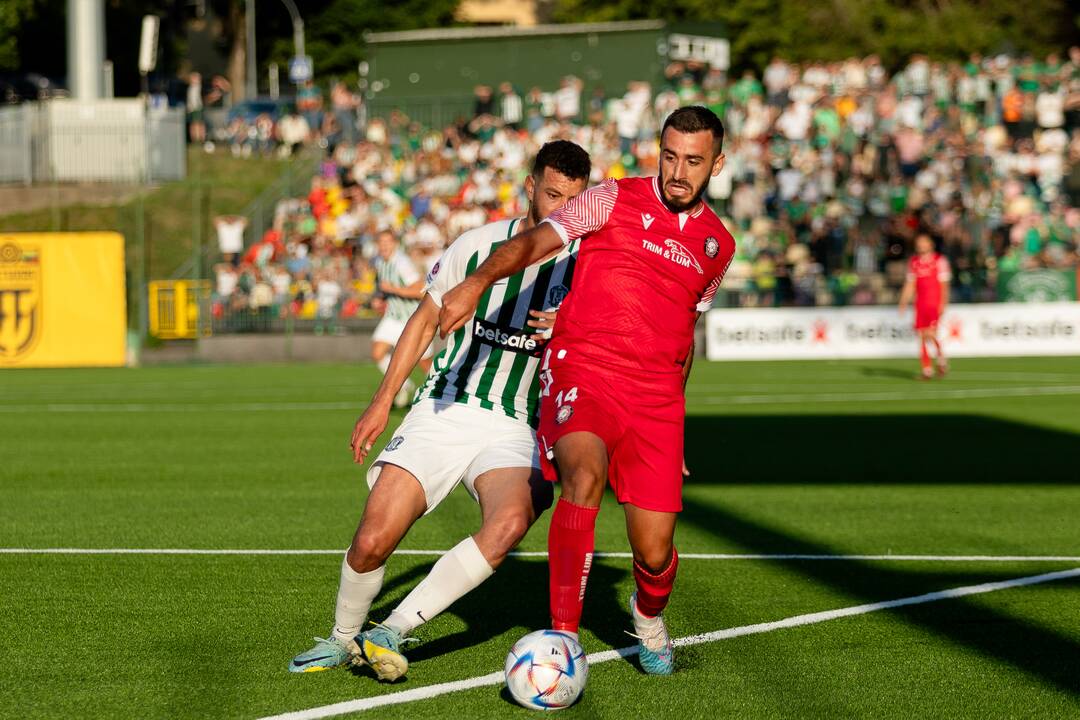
(683, 216)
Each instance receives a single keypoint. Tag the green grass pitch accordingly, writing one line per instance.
(822, 458)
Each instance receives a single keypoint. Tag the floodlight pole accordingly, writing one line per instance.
(298, 40)
(297, 27)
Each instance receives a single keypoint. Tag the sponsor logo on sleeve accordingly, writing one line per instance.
(394, 444)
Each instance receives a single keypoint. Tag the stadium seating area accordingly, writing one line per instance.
(831, 170)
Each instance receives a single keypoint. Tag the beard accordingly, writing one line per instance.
(678, 207)
(534, 215)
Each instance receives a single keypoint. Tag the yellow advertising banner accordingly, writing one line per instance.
(62, 299)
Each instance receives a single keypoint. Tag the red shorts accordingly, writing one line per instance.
(926, 316)
(641, 425)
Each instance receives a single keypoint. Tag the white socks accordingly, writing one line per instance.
(356, 592)
(456, 573)
(384, 363)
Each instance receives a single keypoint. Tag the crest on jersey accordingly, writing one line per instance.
(20, 299)
(394, 444)
(556, 295)
(712, 246)
(564, 414)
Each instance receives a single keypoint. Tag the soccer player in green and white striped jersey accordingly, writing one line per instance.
(402, 285)
(471, 423)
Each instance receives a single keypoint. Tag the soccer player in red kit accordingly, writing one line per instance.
(928, 279)
(612, 404)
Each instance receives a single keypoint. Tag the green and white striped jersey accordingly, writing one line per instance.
(398, 270)
(491, 362)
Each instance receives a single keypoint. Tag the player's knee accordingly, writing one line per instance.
(583, 485)
(654, 557)
(508, 530)
(368, 552)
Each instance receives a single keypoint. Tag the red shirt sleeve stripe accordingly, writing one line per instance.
(586, 213)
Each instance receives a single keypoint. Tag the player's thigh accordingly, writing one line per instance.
(507, 502)
(652, 536)
(646, 464)
(388, 331)
(395, 502)
(506, 473)
(582, 461)
(436, 444)
(379, 350)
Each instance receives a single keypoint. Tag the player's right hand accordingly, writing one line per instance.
(458, 305)
(367, 430)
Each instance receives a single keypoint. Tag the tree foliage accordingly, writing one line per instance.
(831, 29)
(13, 15)
(335, 29)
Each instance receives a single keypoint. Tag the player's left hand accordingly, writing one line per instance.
(685, 470)
(544, 320)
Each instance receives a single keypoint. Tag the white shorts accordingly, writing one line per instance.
(389, 331)
(443, 444)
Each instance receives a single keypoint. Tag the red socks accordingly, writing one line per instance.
(653, 591)
(571, 540)
(924, 355)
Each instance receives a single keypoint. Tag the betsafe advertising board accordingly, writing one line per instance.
(984, 330)
(62, 300)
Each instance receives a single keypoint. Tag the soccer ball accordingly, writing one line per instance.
(546, 670)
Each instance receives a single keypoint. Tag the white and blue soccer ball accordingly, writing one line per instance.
(546, 670)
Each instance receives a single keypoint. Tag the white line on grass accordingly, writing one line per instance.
(901, 396)
(537, 554)
(496, 678)
(711, 399)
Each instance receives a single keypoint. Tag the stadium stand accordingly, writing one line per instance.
(832, 168)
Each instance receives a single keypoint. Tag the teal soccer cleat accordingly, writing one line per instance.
(380, 649)
(328, 653)
(656, 653)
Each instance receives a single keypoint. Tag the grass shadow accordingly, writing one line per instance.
(918, 448)
(1041, 653)
(888, 372)
(516, 597)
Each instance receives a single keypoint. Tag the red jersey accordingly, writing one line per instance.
(928, 272)
(642, 273)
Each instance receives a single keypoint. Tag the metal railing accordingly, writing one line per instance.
(67, 141)
(294, 181)
(431, 112)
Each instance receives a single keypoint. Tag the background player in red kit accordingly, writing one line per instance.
(613, 374)
(928, 279)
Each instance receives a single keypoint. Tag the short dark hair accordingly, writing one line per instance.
(696, 118)
(566, 157)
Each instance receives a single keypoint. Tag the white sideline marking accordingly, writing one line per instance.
(901, 396)
(710, 399)
(496, 678)
(537, 554)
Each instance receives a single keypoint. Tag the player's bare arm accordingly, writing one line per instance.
(415, 291)
(906, 294)
(418, 333)
(515, 255)
(944, 296)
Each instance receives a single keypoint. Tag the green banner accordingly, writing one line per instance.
(1036, 285)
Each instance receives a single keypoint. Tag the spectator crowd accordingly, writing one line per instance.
(831, 170)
